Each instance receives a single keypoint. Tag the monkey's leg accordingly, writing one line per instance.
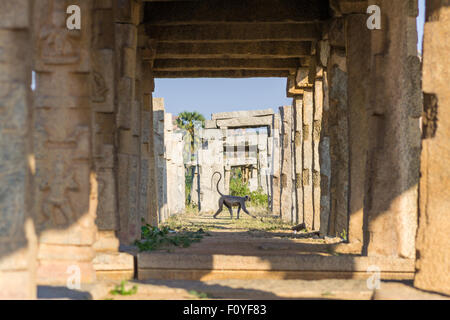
(220, 208)
(246, 211)
(230, 208)
(239, 209)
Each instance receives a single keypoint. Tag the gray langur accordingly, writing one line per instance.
(230, 201)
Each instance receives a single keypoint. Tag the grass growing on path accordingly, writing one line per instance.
(154, 238)
(205, 222)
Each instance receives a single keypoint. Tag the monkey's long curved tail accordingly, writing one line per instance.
(217, 186)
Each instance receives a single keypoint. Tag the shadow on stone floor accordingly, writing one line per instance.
(221, 291)
(63, 293)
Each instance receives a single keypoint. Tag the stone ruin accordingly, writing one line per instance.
(169, 148)
(225, 144)
(283, 161)
(87, 155)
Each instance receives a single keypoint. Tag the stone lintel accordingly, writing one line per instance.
(240, 114)
(246, 122)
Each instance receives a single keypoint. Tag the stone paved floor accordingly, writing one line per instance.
(249, 236)
(244, 237)
(243, 289)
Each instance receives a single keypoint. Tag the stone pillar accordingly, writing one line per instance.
(17, 234)
(307, 176)
(358, 54)
(148, 160)
(338, 130)
(173, 142)
(263, 168)
(176, 173)
(324, 144)
(144, 83)
(298, 155)
(126, 17)
(303, 82)
(104, 126)
(286, 164)
(226, 180)
(66, 186)
(394, 136)
(316, 135)
(433, 242)
(210, 159)
(276, 165)
(161, 169)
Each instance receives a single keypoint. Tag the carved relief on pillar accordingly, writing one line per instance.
(62, 122)
(55, 43)
(56, 208)
(102, 81)
(99, 88)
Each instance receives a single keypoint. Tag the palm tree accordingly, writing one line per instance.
(188, 121)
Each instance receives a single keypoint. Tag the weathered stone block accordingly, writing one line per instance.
(14, 14)
(239, 114)
(302, 78)
(433, 243)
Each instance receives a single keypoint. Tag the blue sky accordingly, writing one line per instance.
(218, 95)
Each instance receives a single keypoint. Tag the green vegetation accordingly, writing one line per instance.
(191, 209)
(187, 120)
(120, 290)
(182, 223)
(258, 198)
(237, 185)
(327, 294)
(238, 188)
(154, 238)
(199, 295)
(344, 234)
(190, 121)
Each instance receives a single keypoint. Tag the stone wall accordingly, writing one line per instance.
(433, 242)
(17, 163)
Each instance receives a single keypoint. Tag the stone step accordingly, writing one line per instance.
(114, 266)
(198, 266)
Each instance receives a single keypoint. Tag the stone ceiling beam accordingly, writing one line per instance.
(239, 50)
(222, 74)
(235, 32)
(225, 64)
(193, 12)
